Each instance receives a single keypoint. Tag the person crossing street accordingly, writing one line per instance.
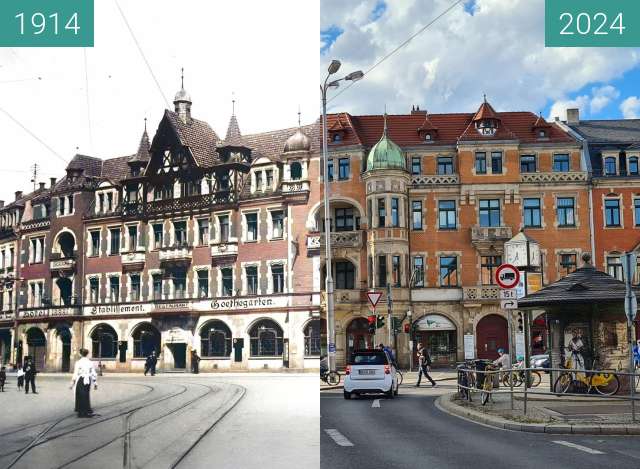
(424, 365)
(30, 376)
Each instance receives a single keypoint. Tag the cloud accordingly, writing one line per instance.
(499, 50)
(592, 104)
(630, 107)
(559, 108)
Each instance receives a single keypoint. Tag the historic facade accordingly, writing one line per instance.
(193, 243)
(423, 203)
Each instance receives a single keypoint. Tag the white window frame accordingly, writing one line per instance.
(109, 276)
(270, 263)
(245, 225)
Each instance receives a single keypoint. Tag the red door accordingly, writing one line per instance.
(358, 336)
(491, 334)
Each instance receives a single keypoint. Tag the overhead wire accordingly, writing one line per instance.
(86, 88)
(135, 40)
(413, 36)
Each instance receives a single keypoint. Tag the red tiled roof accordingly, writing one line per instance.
(485, 111)
(452, 128)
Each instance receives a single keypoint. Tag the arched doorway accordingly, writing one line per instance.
(358, 336)
(215, 339)
(438, 334)
(64, 334)
(5, 346)
(104, 342)
(37, 347)
(491, 334)
(146, 339)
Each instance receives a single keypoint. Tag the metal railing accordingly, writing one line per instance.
(475, 378)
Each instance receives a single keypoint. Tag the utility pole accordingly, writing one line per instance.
(629, 261)
(34, 178)
(389, 314)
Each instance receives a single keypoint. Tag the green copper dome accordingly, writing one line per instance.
(385, 154)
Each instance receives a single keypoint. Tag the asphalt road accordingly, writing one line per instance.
(410, 432)
(166, 421)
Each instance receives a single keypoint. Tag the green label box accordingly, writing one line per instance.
(592, 23)
(46, 23)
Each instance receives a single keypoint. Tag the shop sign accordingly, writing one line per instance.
(435, 322)
(223, 304)
(118, 309)
(50, 313)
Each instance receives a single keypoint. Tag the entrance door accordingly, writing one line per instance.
(179, 352)
(65, 338)
(238, 345)
(491, 334)
(358, 336)
(37, 347)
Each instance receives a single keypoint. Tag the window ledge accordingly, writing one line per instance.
(214, 358)
(271, 357)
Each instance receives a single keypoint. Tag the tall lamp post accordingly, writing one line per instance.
(334, 66)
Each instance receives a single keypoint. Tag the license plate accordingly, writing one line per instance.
(366, 372)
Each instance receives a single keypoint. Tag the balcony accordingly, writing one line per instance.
(487, 237)
(434, 179)
(295, 187)
(36, 224)
(481, 294)
(577, 176)
(339, 240)
(178, 254)
(132, 261)
(182, 204)
(224, 252)
(63, 264)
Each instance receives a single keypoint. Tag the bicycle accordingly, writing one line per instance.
(466, 380)
(487, 383)
(518, 377)
(399, 376)
(606, 384)
(330, 377)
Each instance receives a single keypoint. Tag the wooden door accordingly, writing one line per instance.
(491, 334)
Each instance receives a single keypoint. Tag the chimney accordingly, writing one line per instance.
(416, 111)
(573, 116)
(42, 184)
(18, 194)
(53, 182)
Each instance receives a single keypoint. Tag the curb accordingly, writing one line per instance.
(445, 404)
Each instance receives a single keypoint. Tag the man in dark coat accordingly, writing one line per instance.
(30, 376)
(195, 362)
(152, 360)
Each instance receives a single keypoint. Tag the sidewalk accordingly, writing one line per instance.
(547, 414)
(409, 378)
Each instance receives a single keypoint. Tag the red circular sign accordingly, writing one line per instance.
(507, 276)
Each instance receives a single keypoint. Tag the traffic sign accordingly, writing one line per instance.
(510, 294)
(507, 276)
(332, 348)
(509, 304)
(374, 298)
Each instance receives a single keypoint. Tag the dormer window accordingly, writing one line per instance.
(337, 137)
(427, 137)
(542, 134)
(632, 166)
(610, 166)
(487, 127)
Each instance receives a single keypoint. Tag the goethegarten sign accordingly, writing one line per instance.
(222, 304)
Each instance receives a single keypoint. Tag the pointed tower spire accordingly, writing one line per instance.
(144, 147)
(299, 120)
(384, 131)
(182, 101)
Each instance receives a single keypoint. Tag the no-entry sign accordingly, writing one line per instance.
(507, 276)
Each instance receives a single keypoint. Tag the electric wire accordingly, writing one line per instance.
(135, 40)
(86, 88)
(413, 36)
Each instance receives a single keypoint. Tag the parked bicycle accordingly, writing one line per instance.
(330, 377)
(487, 383)
(605, 383)
(518, 376)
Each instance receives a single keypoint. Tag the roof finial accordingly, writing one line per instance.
(145, 124)
(299, 122)
(182, 77)
(233, 103)
(484, 96)
(384, 131)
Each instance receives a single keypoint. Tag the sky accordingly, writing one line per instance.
(481, 46)
(262, 53)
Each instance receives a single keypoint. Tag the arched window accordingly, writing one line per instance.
(215, 339)
(296, 170)
(66, 244)
(609, 166)
(35, 337)
(632, 166)
(104, 342)
(315, 335)
(146, 339)
(266, 339)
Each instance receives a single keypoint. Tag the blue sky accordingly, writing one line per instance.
(517, 74)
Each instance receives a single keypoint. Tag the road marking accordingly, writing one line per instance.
(580, 447)
(338, 437)
(375, 403)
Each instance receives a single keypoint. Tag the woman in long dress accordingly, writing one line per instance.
(576, 347)
(84, 374)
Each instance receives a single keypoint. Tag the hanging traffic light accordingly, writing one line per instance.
(380, 322)
(371, 320)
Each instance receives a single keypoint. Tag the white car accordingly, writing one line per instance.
(370, 371)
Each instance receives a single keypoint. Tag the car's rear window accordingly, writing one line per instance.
(369, 358)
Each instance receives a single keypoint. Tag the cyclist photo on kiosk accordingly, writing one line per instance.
(576, 348)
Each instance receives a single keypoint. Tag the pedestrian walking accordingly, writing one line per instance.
(152, 361)
(84, 373)
(20, 374)
(3, 377)
(195, 362)
(30, 376)
(424, 365)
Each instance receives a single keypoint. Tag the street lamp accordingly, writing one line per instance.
(334, 66)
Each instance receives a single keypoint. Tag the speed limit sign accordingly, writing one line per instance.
(507, 276)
